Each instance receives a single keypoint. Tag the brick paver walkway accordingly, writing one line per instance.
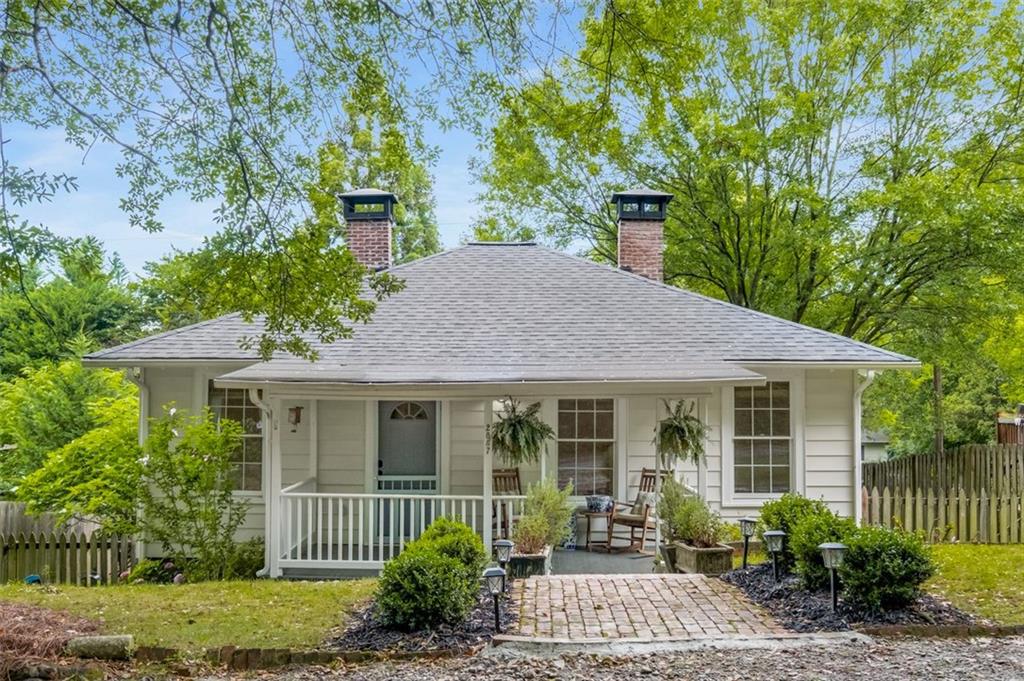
(578, 607)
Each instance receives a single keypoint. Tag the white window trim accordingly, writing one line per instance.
(732, 499)
(615, 440)
(201, 378)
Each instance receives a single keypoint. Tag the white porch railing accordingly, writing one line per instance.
(363, 531)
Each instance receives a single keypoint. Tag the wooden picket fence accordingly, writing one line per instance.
(64, 558)
(15, 519)
(948, 515)
(998, 469)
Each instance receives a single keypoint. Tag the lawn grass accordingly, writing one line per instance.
(255, 614)
(984, 579)
(753, 558)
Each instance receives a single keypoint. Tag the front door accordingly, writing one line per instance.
(407, 447)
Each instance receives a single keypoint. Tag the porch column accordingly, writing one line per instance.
(488, 477)
(314, 452)
(272, 481)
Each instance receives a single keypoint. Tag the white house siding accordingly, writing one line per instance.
(466, 447)
(643, 413)
(186, 388)
(829, 440)
(341, 446)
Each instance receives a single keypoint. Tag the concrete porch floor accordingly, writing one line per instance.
(582, 562)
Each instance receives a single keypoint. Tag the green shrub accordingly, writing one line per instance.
(694, 523)
(783, 514)
(530, 534)
(673, 496)
(188, 503)
(884, 569)
(456, 540)
(811, 531)
(544, 499)
(246, 560)
(423, 588)
(156, 571)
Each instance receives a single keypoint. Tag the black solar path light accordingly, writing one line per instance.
(747, 527)
(832, 556)
(495, 579)
(503, 553)
(774, 539)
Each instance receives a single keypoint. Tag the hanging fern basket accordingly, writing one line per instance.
(680, 435)
(519, 435)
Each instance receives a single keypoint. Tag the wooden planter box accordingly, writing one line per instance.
(710, 561)
(525, 565)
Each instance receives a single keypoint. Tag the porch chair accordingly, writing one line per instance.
(504, 482)
(638, 515)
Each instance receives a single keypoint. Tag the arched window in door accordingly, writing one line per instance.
(409, 411)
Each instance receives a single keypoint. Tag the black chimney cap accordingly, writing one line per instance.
(367, 204)
(641, 204)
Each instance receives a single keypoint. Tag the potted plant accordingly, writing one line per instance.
(545, 523)
(519, 435)
(680, 435)
(673, 495)
(698, 533)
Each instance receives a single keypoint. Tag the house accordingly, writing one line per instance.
(1010, 427)
(874, 446)
(347, 458)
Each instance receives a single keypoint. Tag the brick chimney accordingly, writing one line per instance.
(369, 218)
(641, 214)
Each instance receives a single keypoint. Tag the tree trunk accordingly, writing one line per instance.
(940, 432)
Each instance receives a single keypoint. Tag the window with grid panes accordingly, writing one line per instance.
(762, 440)
(586, 445)
(230, 403)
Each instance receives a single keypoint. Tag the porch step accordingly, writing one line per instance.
(325, 574)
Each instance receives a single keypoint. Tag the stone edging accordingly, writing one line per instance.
(266, 658)
(942, 630)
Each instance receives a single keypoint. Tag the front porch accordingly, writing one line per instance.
(356, 479)
(352, 533)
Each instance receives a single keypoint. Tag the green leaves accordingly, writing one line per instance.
(47, 408)
(518, 435)
(229, 103)
(188, 505)
(680, 435)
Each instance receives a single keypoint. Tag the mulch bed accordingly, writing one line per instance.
(366, 634)
(805, 611)
(30, 635)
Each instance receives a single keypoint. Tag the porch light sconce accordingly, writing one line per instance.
(832, 554)
(503, 552)
(294, 417)
(747, 527)
(775, 540)
(495, 579)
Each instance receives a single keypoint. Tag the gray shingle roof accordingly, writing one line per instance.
(522, 312)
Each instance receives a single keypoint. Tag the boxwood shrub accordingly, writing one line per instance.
(434, 581)
(459, 541)
(884, 569)
(811, 531)
(783, 514)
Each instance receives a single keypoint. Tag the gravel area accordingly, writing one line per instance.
(804, 611)
(365, 633)
(931, 659)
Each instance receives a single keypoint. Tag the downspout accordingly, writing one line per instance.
(860, 385)
(254, 397)
(138, 377)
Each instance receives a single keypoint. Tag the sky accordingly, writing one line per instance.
(94, 208)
